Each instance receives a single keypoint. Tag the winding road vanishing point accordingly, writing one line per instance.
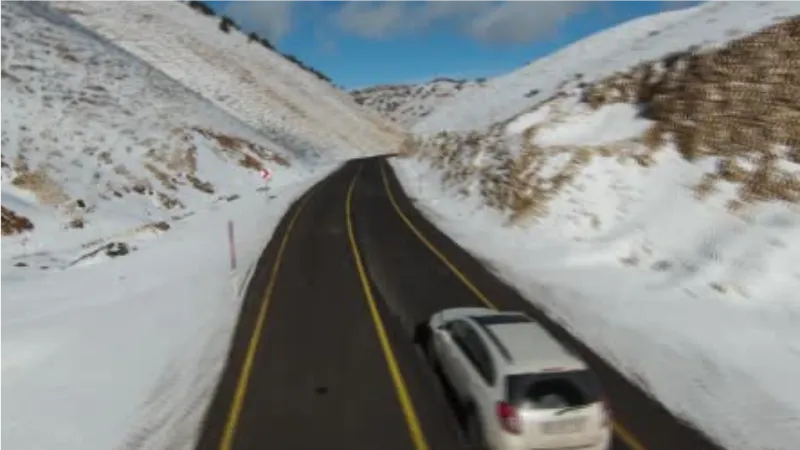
(324, 357)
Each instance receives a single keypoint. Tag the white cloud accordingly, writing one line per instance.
(497, 22)
(272, 20)
(673, 5)
(500, 21)
(521, 22)
(459, 11)
(366, 20)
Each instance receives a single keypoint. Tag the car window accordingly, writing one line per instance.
(553, 390)
(469, 341)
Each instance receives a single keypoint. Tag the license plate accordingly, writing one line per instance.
(563, 426)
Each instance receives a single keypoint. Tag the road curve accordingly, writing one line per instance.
(323, 356)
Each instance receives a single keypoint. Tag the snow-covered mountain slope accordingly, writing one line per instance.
(654, 211)
(255, 84)
(117, 186)
(600, 55)
(406, 104)
(95, 142)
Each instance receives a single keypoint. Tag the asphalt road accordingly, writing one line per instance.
(324, 356)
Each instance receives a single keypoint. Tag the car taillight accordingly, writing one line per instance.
(606, 412)
(509, 418)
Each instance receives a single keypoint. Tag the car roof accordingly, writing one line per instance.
(523, 345)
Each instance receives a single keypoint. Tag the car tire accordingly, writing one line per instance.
(474, 430)
(430, 353)
(424, 337)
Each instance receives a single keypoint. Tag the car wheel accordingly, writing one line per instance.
(424, 336)
(474, 430)
(430, 353)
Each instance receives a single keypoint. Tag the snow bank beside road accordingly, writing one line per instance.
(706, 321)
(135, 365)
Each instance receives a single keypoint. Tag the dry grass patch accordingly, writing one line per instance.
(47, 191)
(706, 186)
(249, 162)
(738, 101)
(141, 187)
(184, 161)
(76, 223)
(13, 223)
(65, 53)
(520, 185)
(162, 176)
(119, 169)
(200, 185)
(655, 137)
(234, 146)
(737, 104)
(105, 157)
(20, 164)
(410, 146)
(169, 202)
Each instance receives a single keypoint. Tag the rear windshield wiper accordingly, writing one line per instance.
(570, 408)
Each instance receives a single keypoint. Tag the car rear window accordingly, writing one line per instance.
(553, 390)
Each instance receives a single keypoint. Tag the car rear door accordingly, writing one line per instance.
(561, 409)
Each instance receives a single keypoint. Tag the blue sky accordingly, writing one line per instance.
(360, 44)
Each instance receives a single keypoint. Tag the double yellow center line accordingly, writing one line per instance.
(414, 428)
(404, 398)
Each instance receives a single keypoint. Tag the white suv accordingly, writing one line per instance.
(517, 387)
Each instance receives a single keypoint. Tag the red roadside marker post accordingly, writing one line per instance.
(231, 245)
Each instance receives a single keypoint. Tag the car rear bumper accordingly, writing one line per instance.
(604, 443)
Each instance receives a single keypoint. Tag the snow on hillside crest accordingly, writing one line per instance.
(406, 104)
(599, 56)
(257, 85)
(655, 209)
